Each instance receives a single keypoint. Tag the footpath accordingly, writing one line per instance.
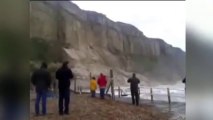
(83, 107)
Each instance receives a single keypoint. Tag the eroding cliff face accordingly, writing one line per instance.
(94, 43)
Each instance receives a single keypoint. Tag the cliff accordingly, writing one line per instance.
(94, 43)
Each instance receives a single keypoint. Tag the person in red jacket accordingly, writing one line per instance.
(102, 85)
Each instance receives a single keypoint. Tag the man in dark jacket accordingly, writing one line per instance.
(134, 89)
(64, 74)
(41, 80)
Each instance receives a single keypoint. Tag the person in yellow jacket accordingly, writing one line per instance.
(93, 86)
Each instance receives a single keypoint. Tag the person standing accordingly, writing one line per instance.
(64, 75)
(134, 81)
(41, 80)
(184, 80)
(102, 85)
(93, 86)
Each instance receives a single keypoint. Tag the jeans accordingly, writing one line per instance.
(135, 97)
(41, 96)
(64, 99)
(93, 93)
(102, 93)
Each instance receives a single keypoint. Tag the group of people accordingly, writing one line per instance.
(41, 79)
(102, 82)
(134, 81)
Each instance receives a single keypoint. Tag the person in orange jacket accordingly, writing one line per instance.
(93, 86)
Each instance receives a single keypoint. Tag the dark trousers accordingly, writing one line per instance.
(93, 93)
(64, 99)
(41, 96)
(135, 97)
(102, 93)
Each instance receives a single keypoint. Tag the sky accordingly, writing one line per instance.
(156, 19)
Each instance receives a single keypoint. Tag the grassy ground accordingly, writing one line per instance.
(83, 107)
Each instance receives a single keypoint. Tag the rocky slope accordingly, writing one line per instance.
(94, 43)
